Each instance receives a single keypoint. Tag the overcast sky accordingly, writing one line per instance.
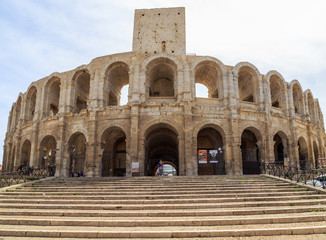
(39, 37)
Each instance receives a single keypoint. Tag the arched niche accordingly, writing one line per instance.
(26, 153)
(297, 99)
(30, 104)
(52, 97)
(278, 95)
(82, 88)
(303, 153)
(113, 143)
(210, 75)
(48, 149)
(116, 77)
(77, 154)
(248, 84)
(161, 76)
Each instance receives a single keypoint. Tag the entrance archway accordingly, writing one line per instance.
(210, 152)
(47, 152)
(161, 143)
(114, 152)
(303, 153)
(250, 152)
(26, 153)
(77, 154)
(316, 155)
(280, 147)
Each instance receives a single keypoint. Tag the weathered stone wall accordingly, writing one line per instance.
(260, 118)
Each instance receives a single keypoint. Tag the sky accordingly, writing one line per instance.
(39, 37)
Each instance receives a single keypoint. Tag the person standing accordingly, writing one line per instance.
(160, 168)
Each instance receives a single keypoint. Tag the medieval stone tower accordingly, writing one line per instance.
(75, 119)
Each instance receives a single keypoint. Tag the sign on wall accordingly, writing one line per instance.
(135, 167)
(213, 156)
(202, 156)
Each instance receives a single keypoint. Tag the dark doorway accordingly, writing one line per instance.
(210, 152)
(161, 144)
(250, 153)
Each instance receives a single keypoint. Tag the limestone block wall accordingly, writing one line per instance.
(74, 119)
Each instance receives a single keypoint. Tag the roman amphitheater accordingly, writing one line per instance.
(74, 119)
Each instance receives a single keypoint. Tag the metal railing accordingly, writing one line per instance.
(25, 175)
(296, 171)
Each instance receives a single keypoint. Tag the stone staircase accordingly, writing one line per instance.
(162, 207)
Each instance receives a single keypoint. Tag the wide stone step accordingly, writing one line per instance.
(165, 206)
(162, 213)
(28, 195)
(163, 201)
(163, 232)
(160, 222)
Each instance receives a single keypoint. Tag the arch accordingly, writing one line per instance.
(113, 143)
(116, 77)
(81, 91)
(77, 153)
(248, 82)
(311, 105)
(319, 113)
(25, 153)
(210, 151)
(316, 155)
(210, 75)
(48, 149)
(161, 77)
(161, 143)
(52, 97)
(281, 147)
(17, 111)
(303, 153)
(277, 89)
(30, 104)
(251, 149)
(297, 95)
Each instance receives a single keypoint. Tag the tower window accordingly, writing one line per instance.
(163, 46)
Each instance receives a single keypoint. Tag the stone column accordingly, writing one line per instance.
(228, 155)
(182, 170)
(133, 146)
(33, 161)
(91, 145)
(60, 160)
(186, 84)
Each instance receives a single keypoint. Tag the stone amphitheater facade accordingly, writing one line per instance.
(74, 119)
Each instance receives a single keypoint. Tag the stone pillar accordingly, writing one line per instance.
(133, 145)
(33, 161)
(18, 152)
(134, 79)
(180, 82)
(186, 84)
(194, 156)
(143, 85)
(62, 155)
(182, 170)
(228, 155)
(91, 145)
(189, 145)
(141, 155)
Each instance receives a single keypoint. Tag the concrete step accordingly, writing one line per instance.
(163, 232)
(161, 222)
(41, 200)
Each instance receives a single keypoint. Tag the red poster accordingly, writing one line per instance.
(202, 156)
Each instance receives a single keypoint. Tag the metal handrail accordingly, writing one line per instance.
(294, 171)
(28, 174)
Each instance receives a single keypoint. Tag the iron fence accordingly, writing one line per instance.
(25, 175)
(296, 171)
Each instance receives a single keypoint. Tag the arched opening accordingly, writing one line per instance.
(26, 154)
(52, 96)
(316, 155)
(113, 142)
(311, 107)
(161, 75)
(280, 147)
(303, 153)
(209, 74)
(12, 159)
(169, 169)
(18, 109)
(30, 104)
(250, 152)
(161, 143)
(117, 78)
(77, 154)
(201, 90)
(82, 87)
(48, 149)
(297, 99)
(210, 152)
(247, 84)
(278, 99)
